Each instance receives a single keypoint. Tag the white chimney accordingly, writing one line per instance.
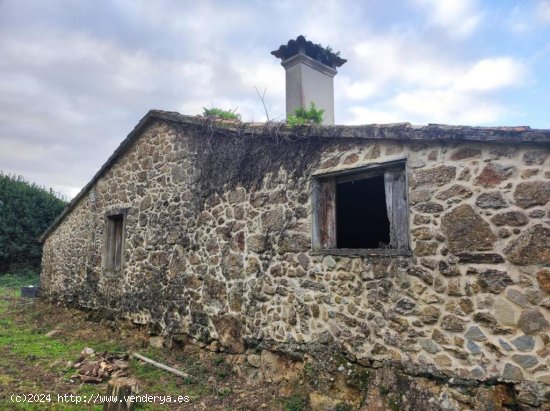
(310, 69)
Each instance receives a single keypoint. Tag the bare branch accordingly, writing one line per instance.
(262, 98)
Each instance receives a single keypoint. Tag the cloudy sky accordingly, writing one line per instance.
(77, 75)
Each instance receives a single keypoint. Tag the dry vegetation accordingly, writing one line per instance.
(32, 362)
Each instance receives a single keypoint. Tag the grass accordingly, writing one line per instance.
(31, 362)
(219, 113)
(294, 403)
(303, 116)
(19, 279)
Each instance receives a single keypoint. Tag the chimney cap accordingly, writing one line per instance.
(323, 55)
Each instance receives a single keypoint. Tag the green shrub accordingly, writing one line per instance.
(303, 117)
(219, 113)
(294, 403)
(20, 278)
(26, 210)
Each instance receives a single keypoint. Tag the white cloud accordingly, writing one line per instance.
(357, 90)
(543, 10)
(447, 106)
(408, 83)
(363, 115)
(491, 74)
(460, 18)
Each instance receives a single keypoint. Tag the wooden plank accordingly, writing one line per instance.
(327, 214)
(396, 202)
(117, 246)
(160, 365)
(388, 187)
(315, 214)
(364, 252)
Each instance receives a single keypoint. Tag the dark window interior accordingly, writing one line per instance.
(361, 214)
(114, 241)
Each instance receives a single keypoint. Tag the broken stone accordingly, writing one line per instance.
(532, 247)
(466, 305)
(429, 346)
(465, 152)
(466, 230)
(443, 361)
(405, 306)
(517, 297)
(455, 191)
(493, 174)
(474, 333)
(511, 372)
(53, 333)
(543, 279)
(424, 248)
(525, 361)
(532, 321)
(424, 275)
(533, 295)
(526, 174)
(420, 219)
(439, 176)
(454, 287)
(511, 218)
(447, 270)
(429, 208)
(465, 175)
(237, 196)
(457, 353)
(422, 233)
(440, 337)
(303, 259)
(229, 330)
(505, 313)
(420, 196)
(429, 314)
(294, 243)
(452, 323)
(480, 258)
(254, 360)
(532, 193)
(494, 281)
(505, 345)
(534, 157)
(524, 343)
(156, 342)
(491, 199)
(537, 214)
(473, 347)
(256, 243)
(504, 233)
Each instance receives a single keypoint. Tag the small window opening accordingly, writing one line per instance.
(361, 214)
(114, 241)
(362, 209)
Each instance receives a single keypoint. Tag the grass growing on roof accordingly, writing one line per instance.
(303, 116)
(219, 113)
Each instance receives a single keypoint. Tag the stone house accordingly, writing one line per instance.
(423, 246)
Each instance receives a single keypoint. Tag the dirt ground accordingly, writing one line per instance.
(31, 362)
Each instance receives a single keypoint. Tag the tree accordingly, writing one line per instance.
(26, 211)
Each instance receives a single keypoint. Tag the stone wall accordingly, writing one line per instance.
(472, 300)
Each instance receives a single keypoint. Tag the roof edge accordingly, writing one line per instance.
(112, 158)
(397, 131)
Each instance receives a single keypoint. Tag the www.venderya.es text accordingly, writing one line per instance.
(98, 398)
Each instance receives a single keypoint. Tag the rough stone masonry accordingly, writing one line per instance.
(217, 245)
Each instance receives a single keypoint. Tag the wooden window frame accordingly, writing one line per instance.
(114, 241)
(323, 240)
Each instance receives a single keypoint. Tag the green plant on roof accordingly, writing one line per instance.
(302, 117)
(219, 113)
